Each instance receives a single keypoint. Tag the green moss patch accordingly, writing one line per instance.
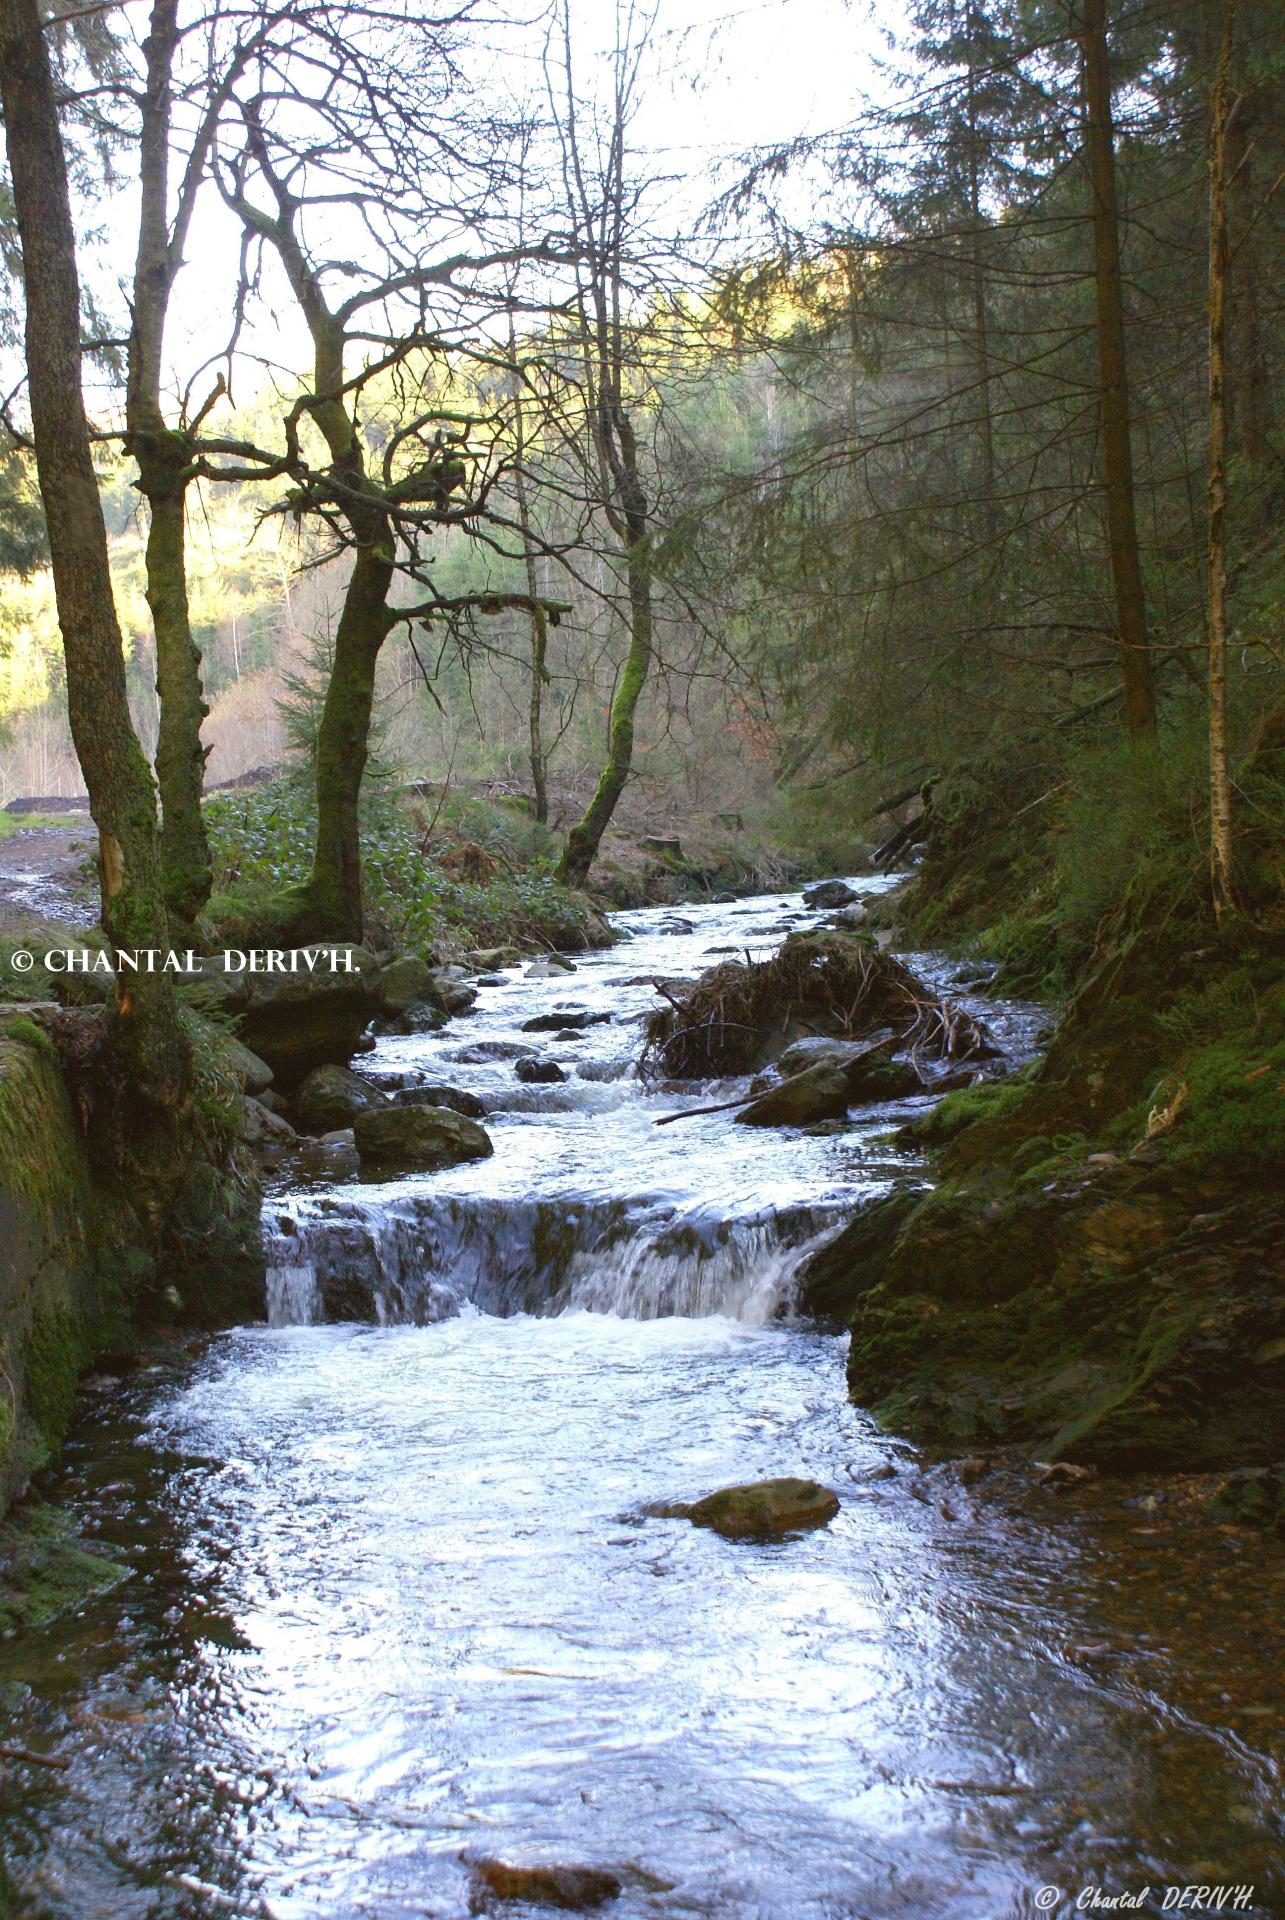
(45, 1570)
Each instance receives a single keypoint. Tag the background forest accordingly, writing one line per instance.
(919, 411)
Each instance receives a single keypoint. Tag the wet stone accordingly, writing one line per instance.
(758, 1509)
(538, 1073)
(572, 1889)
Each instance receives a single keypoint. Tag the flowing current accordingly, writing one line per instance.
(394, 1605)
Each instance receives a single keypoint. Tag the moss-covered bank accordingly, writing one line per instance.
(1099, 1272)
(82, 1265)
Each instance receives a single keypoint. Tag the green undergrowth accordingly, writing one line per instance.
(439, 881)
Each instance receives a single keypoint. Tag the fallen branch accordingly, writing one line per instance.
(25, 1754)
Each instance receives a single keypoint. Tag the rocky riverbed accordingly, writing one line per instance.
(413, 1616)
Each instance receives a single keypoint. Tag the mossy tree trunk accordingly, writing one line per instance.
(330, 905)
(121, 790)
(164, 457)
(585, 837)
(539, 618)
(180, 755)
(611, 355)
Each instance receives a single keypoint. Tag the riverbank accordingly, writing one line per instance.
(1099, 1272)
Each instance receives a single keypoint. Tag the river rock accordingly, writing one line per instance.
(481, 1050)
(406, 982)
(456, 1098)
(494, 959)
(451, 989)
(871, 1073)
(297, 1019)
(536, 1073)
(264, 1130)
(332, 1097)
(573, 1889)
(819, 1093)
(850, 919)
(254, 1074)
(760, 1509)
(329, 1157)
(417, 1140)
(569, 1020)
(829, 893)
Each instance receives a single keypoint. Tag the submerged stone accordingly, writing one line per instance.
(534, 1072)
(573, 1889)
(830, 893)
(458, 1099)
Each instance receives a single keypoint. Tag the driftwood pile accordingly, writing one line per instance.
(738, 1016)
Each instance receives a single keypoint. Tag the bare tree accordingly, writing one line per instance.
(387, 145)
(603, 201)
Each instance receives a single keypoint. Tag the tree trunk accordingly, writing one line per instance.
(981, 317)
(1122, 529)
(163, 458)
(539, 619)
(1250, 370)
(1220, 807)
(329, 905)
(121, 791)
(180, 756)
(584, 838)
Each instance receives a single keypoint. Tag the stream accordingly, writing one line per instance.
(394, 1606)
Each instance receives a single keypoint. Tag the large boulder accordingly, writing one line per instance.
(565, 1020)
(494, 959)
(819, 1093)
(396, 1140)
(450, 989)
(760, 1509)
(406, 983)
(332, 1097)
(309, 1009)
(458, 1099)
(253, 1074)
(830, 893)
(267, 1133)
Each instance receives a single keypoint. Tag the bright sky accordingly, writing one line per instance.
(724, 77)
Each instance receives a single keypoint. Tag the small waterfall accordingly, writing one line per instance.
(421, 1257)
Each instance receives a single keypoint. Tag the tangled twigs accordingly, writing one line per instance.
(737, 1016)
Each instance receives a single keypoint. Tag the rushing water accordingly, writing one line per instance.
(394, 1604)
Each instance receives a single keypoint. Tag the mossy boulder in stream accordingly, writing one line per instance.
(332, 1097)
(758, 1509)
(416, 1140)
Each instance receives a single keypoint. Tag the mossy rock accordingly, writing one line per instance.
(45, 1570)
